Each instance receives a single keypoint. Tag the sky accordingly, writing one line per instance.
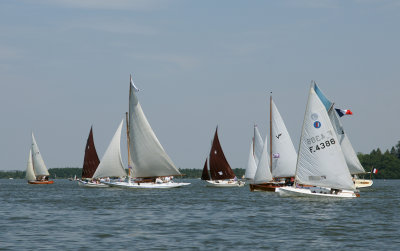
(65, 65)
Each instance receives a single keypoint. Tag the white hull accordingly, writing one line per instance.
(224, 183)
(316, 192)
(146, 185)
(91, 184)
(360, 183)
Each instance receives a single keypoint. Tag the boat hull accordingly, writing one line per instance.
(146, 185)
(265, 187)
(40, 182)
(360, 183)
(224, 183)
(316, 192)
(91, 184)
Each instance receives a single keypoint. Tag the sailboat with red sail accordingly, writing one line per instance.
(221, 174)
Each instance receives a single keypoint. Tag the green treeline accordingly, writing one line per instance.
(387, 163)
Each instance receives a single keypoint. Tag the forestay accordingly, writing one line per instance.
(321, 161)
(284, 155)
(148, 157)
(111, 162)
(38, 163)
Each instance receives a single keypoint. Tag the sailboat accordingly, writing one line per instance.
(36, 171)
(90, 163)
(149, 165)
(321, 168)
(111, 165)
(220, 170)
(282, 156)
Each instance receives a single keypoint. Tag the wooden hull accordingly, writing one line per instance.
(360, 183)
(40, 182)
(266, 187)
(316, 192)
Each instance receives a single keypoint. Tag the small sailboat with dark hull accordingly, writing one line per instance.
(36, 171)
(221, 174)
(90, 163)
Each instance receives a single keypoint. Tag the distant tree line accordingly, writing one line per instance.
(387, 163)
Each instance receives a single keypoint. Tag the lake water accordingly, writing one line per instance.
(68, 217)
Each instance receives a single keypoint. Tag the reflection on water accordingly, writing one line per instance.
(66, 216)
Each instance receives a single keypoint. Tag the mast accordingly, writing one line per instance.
(270, 132)
(127, 138)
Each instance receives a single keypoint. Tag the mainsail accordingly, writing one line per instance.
(258, 145)
(321, 161)
(284, 155)
(30, 174)
(263, 173)
(148, 157)
(111, 162)
(219, 166)
(350, 155)
(251, 164)
(91, 160)
(204, 174)
(38, 163)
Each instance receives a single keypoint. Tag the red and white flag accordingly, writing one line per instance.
(374, 170)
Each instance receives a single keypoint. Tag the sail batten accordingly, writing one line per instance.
(147, 155)
(111, 163)
(321, 161)
(91, 159)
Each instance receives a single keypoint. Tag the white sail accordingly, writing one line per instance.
(111, 162)
(148, 156)
(350, 155)
(258, 145)
(38, 163)
(263, 173)
(251, 165)
(284, 155)
(321, 161)
(30, 174)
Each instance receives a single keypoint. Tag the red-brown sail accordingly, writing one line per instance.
(91, 160)
(204, 174)
(219, 166)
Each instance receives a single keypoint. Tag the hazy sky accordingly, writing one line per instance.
(65, 65)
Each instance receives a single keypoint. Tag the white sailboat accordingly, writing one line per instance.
(110, 164)
(321, 168)
(150, 164)
(36, 171)
(350, 155)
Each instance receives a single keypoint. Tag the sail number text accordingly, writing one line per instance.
(322, 145)
(316, 139)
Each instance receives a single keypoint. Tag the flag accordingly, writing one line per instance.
(276, 155)
(374, 170)
(342, 112)
(134, 86)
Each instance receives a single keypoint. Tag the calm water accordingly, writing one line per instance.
(68, 217)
